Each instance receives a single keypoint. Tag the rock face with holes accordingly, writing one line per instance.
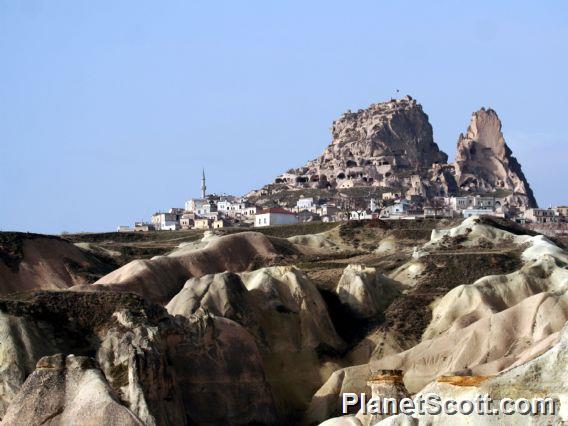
(382, 146)
(390, 145)
(484, 162)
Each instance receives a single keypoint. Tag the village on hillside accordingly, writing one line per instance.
(212, 211)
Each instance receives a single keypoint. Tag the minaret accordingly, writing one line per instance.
(203, 187)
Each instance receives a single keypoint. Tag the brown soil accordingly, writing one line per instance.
(85, 310)
(367, 234)
(410, 314)
(75, 320)
(12, 247)
(33, 262)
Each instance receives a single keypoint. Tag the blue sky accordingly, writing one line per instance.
(109, 109)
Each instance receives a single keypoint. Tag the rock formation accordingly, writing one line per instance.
(200, 369)
(247, 337)
(390, 146)
(377, 146)
(162, 277)
(484, 162)
(33, 262)
(365, 291)
(285, 313)
(504, 321)
(543, 376)
(77, 390)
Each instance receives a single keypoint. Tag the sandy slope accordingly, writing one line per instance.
(33, 262)
(160, 278)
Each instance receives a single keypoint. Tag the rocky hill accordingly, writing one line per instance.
(390, 146)
(485, 163)
(375, 146)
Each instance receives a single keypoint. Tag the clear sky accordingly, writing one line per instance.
(109, 109)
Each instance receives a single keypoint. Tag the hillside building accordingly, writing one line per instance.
(275, 216)
(540, 215)
(163, 221)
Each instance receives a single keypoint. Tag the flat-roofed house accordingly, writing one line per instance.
(540, 215)
(202, 223)
(186, 221)
(165, 220)
(275, 216)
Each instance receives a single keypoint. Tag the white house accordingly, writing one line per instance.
(484, 202)
(399, 208)
(360, 215)
(251, 211)
(459, 203)
(438, 212)
(275, 216)
(199, 206)
(305, 203)
(475, 202)
(237, 208)
(223, 205)
(165, 220)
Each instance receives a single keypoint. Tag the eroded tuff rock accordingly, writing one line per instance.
(45, 262)
(365, 291)
(67, 390)
(544, 376)
(375, 146)
(200, 369)
(221, 294)
(162, 277)
(498, 322)
(484, 162)
(390, 145)
(285, 312)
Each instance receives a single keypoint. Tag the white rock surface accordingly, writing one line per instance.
(365, 291)
(67, 391)
(466, 304)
